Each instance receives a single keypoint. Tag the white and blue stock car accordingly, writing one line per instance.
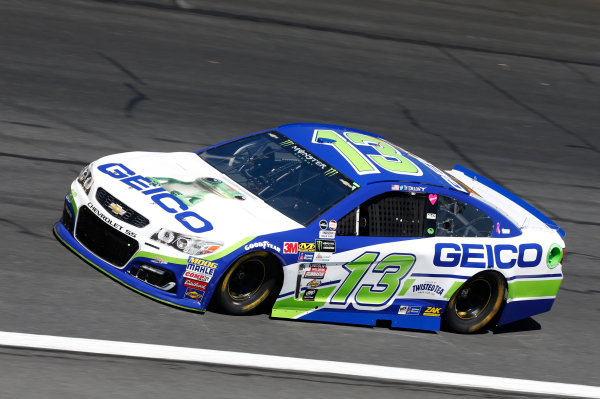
(317, 222)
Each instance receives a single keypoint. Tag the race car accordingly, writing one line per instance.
(316, 222)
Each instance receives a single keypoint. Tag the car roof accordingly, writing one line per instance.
(302, 133)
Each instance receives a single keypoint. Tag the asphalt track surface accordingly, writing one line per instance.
(509, 90)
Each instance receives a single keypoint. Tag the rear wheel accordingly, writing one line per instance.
(248, 284)
(475, 304)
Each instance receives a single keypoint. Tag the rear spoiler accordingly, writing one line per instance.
(482, 186)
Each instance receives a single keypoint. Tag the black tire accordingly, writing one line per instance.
(248, 284)
(476, 303)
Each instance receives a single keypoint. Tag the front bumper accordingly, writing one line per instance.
(144, 272)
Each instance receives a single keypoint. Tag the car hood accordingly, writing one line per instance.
(231, 212)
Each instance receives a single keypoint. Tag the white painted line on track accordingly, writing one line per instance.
(240, 359)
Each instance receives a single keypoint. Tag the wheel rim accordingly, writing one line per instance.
(246, 279)
(473, 299)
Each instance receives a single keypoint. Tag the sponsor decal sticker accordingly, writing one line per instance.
(198, 276)
(430, 230)
(313, 283)
(290, 247)
(323, 224)
(199, 269)
(309, 294)
(263, 245)
(432, 311)
(305, 257)
(161, 197)
(325, 245)
(428, 288)
(403, 309)
(327, 234)
(306, 247)
(413, 311)
(498, 227)
(416, 189)
(482, 256)
(194, 294)
(395, 187)
(193, 261)
(199, 285)
(505, 231)
(431, 216)
(158, 260)
(433, 198)
(322, 256)
(332, 225)
(317, 270)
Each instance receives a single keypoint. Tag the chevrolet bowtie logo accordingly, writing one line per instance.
(117, 209)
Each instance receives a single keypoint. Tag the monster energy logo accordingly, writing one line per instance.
(325, 245)
(330, 172)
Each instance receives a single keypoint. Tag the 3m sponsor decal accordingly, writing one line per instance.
(309, 294)
(306, 247)
(327, 234)
(316, 271)
(161, 197)
(263, 245)
(199, 285)
(430, 288)
(503, 256)
(306, 256)
(194, 294)
(109, 221)
(432, 311)
(290, 247)
(325, 245)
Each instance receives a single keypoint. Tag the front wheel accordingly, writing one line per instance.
(248, 284)
(475, 304)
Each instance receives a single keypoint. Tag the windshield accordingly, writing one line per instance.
(283, 174)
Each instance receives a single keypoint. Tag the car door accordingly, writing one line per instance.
(372, 253)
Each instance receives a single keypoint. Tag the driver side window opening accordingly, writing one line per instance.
(403, 214)
(393, 214)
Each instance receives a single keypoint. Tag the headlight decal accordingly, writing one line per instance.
(186, 244)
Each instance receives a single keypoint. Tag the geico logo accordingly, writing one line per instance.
(167, 201)
(503, 256)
